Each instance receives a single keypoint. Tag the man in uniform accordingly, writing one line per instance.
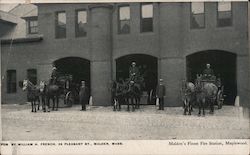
(208, 72)
(133, 71)
(160, 94)
(54, 75)
(83, 95)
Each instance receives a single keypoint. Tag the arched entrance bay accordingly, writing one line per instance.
(78, 67)
(147, 64)
(224, 65)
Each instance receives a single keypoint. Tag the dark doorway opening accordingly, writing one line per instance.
(79, 68)
(224, 65)
(148, 66)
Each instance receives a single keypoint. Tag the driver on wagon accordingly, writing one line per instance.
(54, 75)
(208, 72)
(133, 71)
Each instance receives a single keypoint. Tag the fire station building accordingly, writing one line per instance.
(98, 42)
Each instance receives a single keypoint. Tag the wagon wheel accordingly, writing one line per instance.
(220, 99)
(69, 98)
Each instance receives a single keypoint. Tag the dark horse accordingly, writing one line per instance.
(206, 92)
(133, 95)
(51, 91)
(126, 93)
(33, 93)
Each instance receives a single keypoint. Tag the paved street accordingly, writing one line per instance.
(101, 123)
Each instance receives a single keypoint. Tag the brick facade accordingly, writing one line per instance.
(170, 42)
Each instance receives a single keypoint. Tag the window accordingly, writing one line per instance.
(197, 19)
(147, 18)
(81, 21)
(60, 25)
(11, 81)
(124, 20)
(32, 26)
(224, 14)
(32, 76)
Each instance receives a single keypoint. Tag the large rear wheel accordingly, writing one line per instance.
(69, 99)
(220, 99)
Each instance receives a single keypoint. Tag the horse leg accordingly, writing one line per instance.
(203, 106)
(199, 104)
(114, 104)
(44, 103)
(185, 107)
(119, 102)
(53, 106)
(38, 105)
(41, 99)
(127, 102)
(133, 104)
(57, 102)
(32, 109)
(48, 103)
(189, 107)
(35, 105)
(212, 106)
(119, 105)
(138, 102)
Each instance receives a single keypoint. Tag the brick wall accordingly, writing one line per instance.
(171, 41)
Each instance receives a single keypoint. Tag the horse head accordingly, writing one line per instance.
(25, 84)
(42, 86)
(198, 82)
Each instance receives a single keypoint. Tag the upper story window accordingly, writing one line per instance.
(81, 22)
(32, 76)
(11, 81)
(124, 20)
(224, 14)
(197, 19)
(60, 24)
(32, 26)
(147, 18)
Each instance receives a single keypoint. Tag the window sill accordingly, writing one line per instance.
(60, 38)
(12, 93)
(147, 33)
(81, 37)
(224, 27)
(197, 29)
(32, 33)
(123, 34)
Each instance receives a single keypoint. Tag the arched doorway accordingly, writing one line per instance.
(148, 66)
(78, 67)
(224, 65)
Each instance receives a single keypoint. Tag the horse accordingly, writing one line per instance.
(133, 95)
(188, 95)
(33, 93)
(52, 91)
(206, 92)
(45, 105)
(138, 86)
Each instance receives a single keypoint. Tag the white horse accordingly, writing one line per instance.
(188, 95)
